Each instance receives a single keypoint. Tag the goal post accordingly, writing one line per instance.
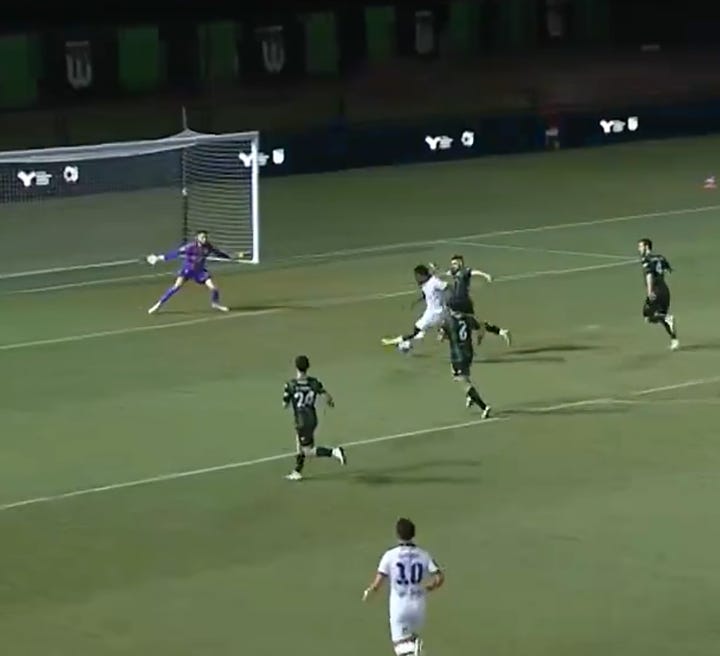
(107, 205)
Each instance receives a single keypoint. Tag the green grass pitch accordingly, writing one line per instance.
(581, 521)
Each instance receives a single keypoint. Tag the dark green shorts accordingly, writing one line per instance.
(305, 431)
(461, 369)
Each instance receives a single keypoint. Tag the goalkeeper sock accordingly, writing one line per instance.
(168, 294)
(215, 296)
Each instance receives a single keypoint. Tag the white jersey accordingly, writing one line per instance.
(406, 568)
(433, 290)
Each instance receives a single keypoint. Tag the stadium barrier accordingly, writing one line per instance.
(342, 146)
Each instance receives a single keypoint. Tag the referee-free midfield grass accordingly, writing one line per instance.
(581, 521)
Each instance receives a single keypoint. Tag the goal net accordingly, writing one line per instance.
(89, 208)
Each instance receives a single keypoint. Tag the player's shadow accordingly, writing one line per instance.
(556, 348)
(512, 358)
(412, 474)
(232, 308)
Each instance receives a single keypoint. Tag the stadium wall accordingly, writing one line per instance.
(343, 146)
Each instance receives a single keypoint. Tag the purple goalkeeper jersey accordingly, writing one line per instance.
(194, 255)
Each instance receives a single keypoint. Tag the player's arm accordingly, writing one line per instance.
(221, 254)
(382, 572)
(435, 581)
(650, 285)
(375, 585)
(417, 301)
(321, 391)
(153, 258)
(433, 269)
(287, 396)
(481, 274)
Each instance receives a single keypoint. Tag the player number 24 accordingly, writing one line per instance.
(304, 399)
(412, 574)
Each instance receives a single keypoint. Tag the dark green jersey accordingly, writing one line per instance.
(460, 284)
(302, 394)
(656, 266)
(459, 330)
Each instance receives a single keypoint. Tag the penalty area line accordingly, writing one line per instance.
(190, 473)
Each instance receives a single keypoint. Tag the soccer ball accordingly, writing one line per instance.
(405, 346)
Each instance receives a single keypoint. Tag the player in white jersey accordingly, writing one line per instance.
(411, 573)
(434, 294)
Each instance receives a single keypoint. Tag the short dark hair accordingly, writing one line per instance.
(421, 270)
(302, 363)
(645, 241)
(458, 257)
(405, 529)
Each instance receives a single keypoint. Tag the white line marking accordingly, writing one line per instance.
(502, 233)
(669, 388)
(552, 251)
(135, 329)
(89, 283)
(237, 315)
(172, 476)
(77, 267)
(368, 250)
(560, 272)
(236, 465)
(661, 403)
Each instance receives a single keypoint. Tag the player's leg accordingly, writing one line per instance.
(428, 320)
(668, 320)
(307, 448)
(169, 292)
(405, 627)
(656, 311)
(461, 373)
(214, 293)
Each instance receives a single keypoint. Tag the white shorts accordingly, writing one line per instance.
(431, 318)
(407, 620)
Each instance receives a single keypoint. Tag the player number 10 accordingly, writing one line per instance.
(415, 571)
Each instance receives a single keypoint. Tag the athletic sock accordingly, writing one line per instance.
(215, 296)
(323, 452)
(668, 329)
(412, 335)
(491, 328)
(473, 395)
(168, 293)
(299, 462)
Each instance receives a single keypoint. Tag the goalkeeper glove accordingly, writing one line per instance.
(152, 259)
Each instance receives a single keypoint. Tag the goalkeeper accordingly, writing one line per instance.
(194, 254)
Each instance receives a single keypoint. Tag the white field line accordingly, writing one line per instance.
(502, 233)
(670, 388)
(552, 251)
(346, 300)
(240, 464)
(94, 265)
(368, 250)
(661, 403)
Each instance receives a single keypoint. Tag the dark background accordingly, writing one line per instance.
(609, 54)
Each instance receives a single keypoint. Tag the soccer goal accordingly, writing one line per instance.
(107, 205)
